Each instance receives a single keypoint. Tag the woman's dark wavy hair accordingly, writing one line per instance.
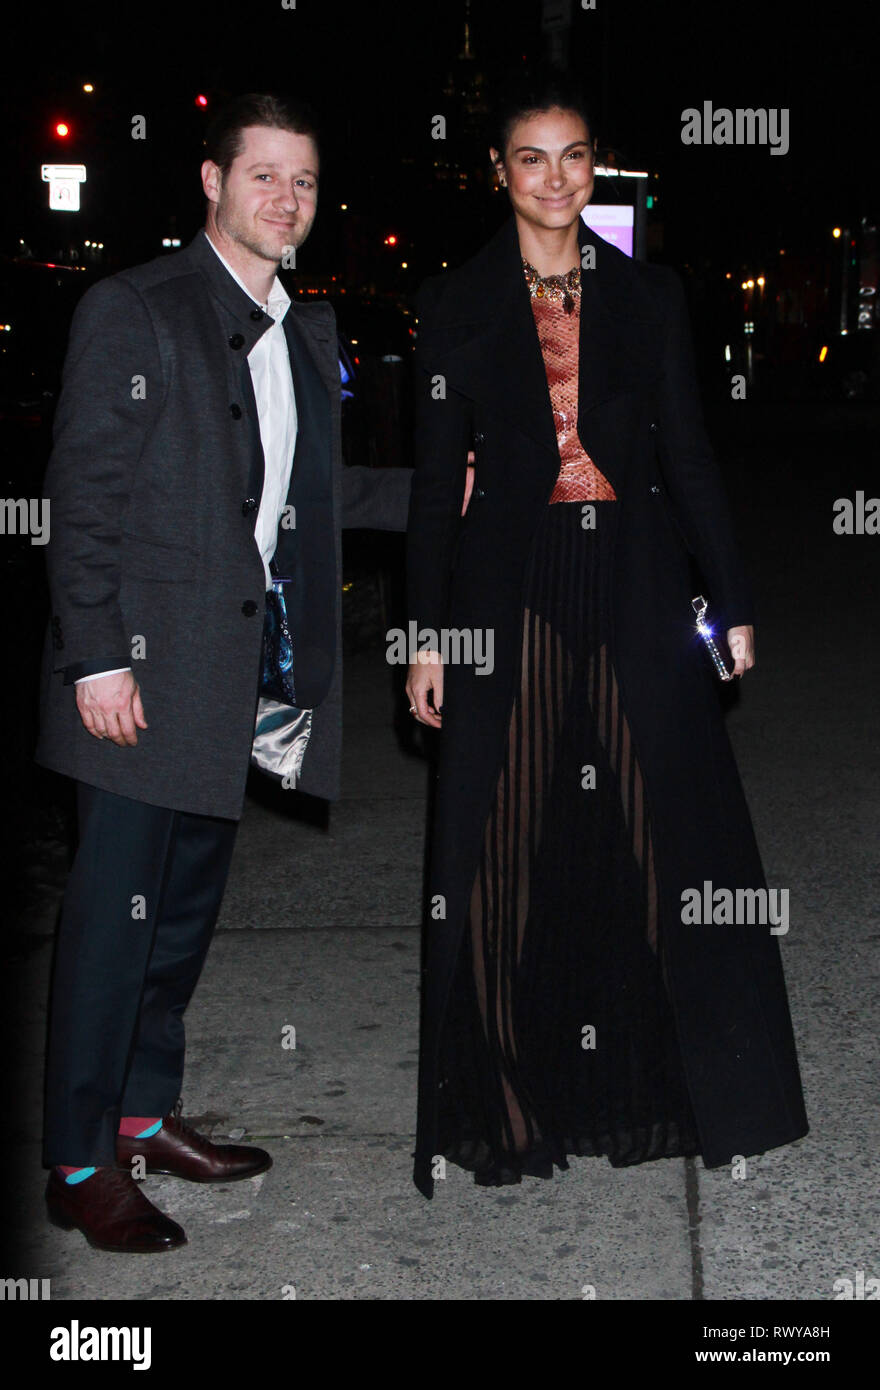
(223, 140)
(532, 91)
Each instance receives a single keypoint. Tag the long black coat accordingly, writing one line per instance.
(481, 383)
(154, 479)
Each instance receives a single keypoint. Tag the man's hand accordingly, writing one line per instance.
(426, 679)
(110, 707)
(741, 641)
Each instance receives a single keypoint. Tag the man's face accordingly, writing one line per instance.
(268, 198)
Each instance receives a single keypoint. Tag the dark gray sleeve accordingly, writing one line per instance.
(81, 670)
(111, 396)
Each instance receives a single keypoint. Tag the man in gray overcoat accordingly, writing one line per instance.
(197, 441)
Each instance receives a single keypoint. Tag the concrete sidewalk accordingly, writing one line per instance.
(320, 932)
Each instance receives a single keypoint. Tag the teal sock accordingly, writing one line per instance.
(75, 1175)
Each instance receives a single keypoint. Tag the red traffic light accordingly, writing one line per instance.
(62, 129)
(201, 100)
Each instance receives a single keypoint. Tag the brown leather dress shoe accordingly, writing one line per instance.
(181, 1152)
(112, 1213)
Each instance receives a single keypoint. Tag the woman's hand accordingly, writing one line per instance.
(741, 641)
(424, 688)
(424, 684)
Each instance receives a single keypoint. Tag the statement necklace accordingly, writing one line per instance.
(565, 287)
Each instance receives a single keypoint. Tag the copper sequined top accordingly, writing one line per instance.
(558, 332)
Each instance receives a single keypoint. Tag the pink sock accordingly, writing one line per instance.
(133, 1126)
(74, 1176)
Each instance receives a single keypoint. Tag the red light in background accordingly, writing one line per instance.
(201, 100)
(391, 240)
(62, 129)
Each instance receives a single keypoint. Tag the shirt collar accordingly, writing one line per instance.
(279, 300)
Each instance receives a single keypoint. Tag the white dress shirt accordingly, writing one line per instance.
(269, 363)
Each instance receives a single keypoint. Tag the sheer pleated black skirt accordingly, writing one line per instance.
(559, 1036)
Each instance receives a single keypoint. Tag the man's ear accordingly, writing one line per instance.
(212, 180)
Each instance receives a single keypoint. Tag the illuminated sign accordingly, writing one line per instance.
(613, 222)
(64, 181)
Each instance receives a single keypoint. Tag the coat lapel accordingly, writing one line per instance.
(311, 346)
(484, 341)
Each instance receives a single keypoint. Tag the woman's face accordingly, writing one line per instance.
(548, 167)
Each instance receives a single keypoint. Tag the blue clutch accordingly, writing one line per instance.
(276, 682)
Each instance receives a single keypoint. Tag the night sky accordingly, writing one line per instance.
(374, 71)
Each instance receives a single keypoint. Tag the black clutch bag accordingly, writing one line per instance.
(276, 681)
(715, 642)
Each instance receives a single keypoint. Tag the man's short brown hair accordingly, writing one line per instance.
(224, 139)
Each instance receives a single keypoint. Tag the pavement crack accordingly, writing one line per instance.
(692, 1196)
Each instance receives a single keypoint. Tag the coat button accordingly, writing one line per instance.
(248, 608)
(653, 427)
(257, 315)
(479, 492)
(237, 340)
(235, 411)
(248, 505)
(479, 437)
(654, 487)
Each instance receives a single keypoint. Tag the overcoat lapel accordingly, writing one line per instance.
(307, 343)
(311, 479)
(499, 363)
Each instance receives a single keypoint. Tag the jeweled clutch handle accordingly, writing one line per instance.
(716, 646)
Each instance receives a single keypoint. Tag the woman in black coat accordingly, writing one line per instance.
(587, 986)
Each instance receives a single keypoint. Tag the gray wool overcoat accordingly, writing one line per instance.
(154, 481)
